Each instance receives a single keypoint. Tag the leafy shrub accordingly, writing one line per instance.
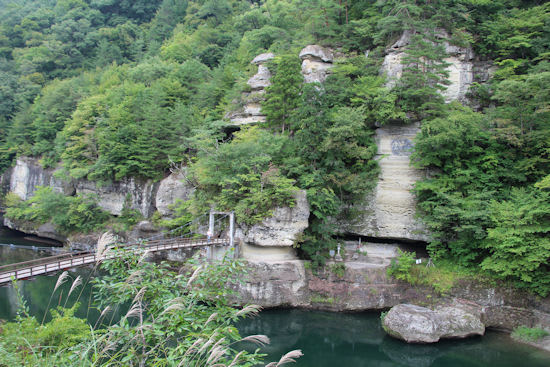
(338, 269)
(401, 267)
(67, 213)
(518, 240)
(27, 342)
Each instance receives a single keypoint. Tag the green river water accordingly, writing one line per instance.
(326, 339)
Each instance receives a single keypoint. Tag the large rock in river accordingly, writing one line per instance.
(415, 324)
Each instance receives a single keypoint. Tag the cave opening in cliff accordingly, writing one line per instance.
(229, 130)
(405, 244)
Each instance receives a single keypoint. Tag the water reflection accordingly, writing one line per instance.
(357, 340)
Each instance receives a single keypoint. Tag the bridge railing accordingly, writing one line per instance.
(162, 243)
(69, 260)
(45, 260)
(31, 268)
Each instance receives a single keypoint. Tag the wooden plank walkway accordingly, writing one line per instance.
(27, 269)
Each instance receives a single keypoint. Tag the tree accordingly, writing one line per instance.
(282, 95)
(518, 239)
(424, 77)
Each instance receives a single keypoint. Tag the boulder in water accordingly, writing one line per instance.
(415, 324)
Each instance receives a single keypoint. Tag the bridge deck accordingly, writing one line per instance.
(52, 264)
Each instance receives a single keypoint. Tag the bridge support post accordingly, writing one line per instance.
(232, 234)
(209, 251)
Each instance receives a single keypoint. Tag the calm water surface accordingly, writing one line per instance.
(14, 247)
(326, 339)
(357, 340)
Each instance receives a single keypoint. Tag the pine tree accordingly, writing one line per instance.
(424, 77)
(284, 92)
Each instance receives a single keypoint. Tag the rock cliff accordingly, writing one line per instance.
(363, 284)
(250, 111)
(275, 236)
(28, 174)
(389, 211)
(316, 63)
(464, 68)
(144, 196)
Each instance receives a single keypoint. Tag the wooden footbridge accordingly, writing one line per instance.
(52, 264)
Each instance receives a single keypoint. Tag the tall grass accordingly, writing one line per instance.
(174, 319)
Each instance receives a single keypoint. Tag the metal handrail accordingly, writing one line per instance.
(42, 260)
(54, 263)
(73, 254)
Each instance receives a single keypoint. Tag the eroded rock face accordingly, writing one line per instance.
(415, 324)
(460, 59)
(172, 188)
(28, 174)
(316, 63)
(46, 230)
(250, 112)
(260, 80)
(112, 197)
(275, 284)
(282, 228)
(389, 212)
(5, 181)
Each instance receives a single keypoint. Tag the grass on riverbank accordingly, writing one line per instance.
(442, 276)
(527, 334)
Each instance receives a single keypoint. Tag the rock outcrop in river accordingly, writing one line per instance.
(415, 324)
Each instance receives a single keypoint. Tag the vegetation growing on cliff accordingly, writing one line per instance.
(68, 214)
(111, 90)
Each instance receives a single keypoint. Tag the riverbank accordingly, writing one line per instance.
(361, 283)
(363, 286)
(334, 338)
(357, 339)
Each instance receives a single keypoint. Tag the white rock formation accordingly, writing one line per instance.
(28, 174)
(389, 211)
(461, 68)
(260, 80)
(316, 63)
(251, 112)
(280, 232)
(112, 197)
(172, 188)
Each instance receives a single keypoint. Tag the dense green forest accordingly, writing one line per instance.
(110, 89)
